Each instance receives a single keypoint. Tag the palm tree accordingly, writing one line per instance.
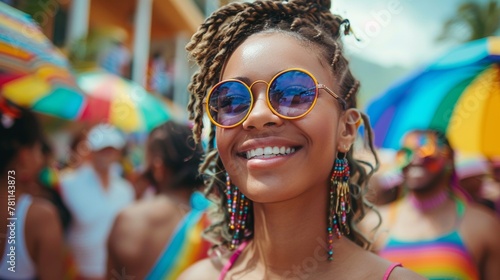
(480, 20)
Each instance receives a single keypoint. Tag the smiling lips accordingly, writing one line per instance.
(267, 152)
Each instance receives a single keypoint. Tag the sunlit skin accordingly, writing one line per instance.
(289, 192)
(285, 189)
(270, 180)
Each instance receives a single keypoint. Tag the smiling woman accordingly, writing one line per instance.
(282, 102)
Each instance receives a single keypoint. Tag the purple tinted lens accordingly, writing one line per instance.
(229, 103)
(292, 93)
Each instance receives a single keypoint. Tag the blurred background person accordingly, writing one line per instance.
(495, 168)
(433, 229)
(48, 184)
(385, 185)
(94, 193)
(492, 186)
(38, 233)
(158, 238)
(473, 173)
(78, 151)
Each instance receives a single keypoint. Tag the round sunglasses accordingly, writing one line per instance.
(427, 146)
(291, 94)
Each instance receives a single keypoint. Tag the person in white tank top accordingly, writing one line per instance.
(33, 247)
(24, 267)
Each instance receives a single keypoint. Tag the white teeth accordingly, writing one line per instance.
(268, 152)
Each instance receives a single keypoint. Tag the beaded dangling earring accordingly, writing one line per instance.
(340, 202)
(237, 207)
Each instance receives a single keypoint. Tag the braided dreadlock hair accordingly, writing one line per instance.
(217, 38)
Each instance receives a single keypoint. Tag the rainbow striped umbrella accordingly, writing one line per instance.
(459, 93)
(33, 73)
(121, 102)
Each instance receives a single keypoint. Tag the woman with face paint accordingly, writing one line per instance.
(282, 104)
(434, 229)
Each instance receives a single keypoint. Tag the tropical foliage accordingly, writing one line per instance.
(472, 21)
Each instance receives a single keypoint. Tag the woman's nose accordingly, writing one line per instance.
(261, 115)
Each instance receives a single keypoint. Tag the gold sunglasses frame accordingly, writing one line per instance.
(249, 88)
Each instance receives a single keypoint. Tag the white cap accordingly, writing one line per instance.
(105, 136)
(468, 165)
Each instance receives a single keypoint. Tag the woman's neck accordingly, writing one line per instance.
(428, 201)
(289, 235)
(181, 195)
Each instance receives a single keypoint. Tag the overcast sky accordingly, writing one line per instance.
(397, 32)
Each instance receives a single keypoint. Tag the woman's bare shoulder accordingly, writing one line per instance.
(376, 267)
(206, 269)
(391, 270)
(478, 216)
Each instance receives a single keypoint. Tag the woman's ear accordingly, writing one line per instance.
(348, 129)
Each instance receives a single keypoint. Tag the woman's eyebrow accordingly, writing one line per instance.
(248, 82)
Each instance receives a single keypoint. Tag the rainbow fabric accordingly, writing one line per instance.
(445, 257)
(186, 246)
(457, 93)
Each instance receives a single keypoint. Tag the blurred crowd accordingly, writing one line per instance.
(439, 209)
(96, 217)
(99, 218)
(477, 174)
(105, 212)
